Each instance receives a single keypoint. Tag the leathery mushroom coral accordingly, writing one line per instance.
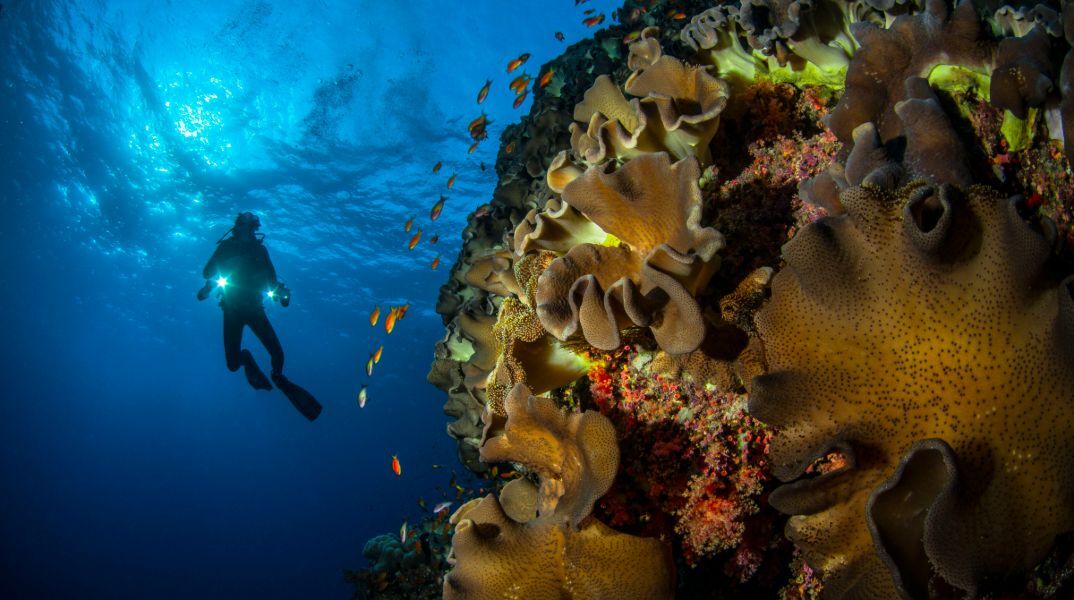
(542, 543)
(921, 341)
(650, 273)
(676, 109)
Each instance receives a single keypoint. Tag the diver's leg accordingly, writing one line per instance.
(262, 328)
(234, 321)
(233, 340)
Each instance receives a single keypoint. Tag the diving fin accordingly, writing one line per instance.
(299, 397)
(254, 375)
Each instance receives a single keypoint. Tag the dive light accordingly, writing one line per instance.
(221, 282)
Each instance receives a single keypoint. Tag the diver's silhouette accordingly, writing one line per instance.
(241, 270)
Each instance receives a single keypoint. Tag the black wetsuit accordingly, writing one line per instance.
(250, 274)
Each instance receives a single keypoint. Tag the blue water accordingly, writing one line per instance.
(132, 463)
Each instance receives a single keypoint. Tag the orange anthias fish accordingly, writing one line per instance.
(472, 147)
(396, 467)
(560, 37)
(518, 62)
(593, 21)
(414, 240)
(401, 311)
(451, 181)
(369, 366)
(389, 321)
(408, 225)
(521, 98)
(631, 37)
(678, 16)
(434, 239)
(546, 78)
(484, 91)
(478, 122)
(520, 83)
(436, 167)
(434, 213)
(376, 355)
(373, 316)
(509, 148)
(436, 262)
(589, 11)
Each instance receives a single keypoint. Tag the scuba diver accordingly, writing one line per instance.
(240, 269)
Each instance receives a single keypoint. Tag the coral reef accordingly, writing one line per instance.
(833, 253)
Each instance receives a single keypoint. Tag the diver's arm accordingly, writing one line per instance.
(270, 271)
(210, 267)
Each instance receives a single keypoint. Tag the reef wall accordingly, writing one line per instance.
(805, 265)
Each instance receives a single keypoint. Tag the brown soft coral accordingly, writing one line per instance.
(551, 547)
(920, 336)
(663, 257)
(676, 109)
(911, 47)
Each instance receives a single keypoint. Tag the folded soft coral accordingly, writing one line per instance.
(676, 109)
(649, 275)
(541, 542)
(919, 336)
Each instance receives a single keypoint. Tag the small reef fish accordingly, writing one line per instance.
(421, 502)
(478, 122)
(396, 467)
(482, 211)
(631, 37)
(560, 37)
(509, 148)
(546, 78)
(436, 167)
(389, 321)
(589, 11)
(435, 263)
(520, 83)
(362, 397)
(434, 239)
(439, 508)
(577, 2)
(376, 355)
(521, 98)
(414, 240)
(402, 533)
(484, 91)
(374, 316)
(483, 166)
(472, 147)
(593, 21)
(437, 208)
(409, 224)
(679, 16)
(369, 366)
(451, 181)
(518, 62)
(438, 466)
(400, 312)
